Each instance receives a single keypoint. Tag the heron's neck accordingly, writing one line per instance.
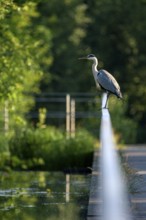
(94, 65)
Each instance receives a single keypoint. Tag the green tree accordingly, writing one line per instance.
(21, 54)
(67, 21)
(116, 35)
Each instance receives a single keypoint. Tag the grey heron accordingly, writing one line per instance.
(103, 79)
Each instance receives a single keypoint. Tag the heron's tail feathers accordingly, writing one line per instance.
(119, 95)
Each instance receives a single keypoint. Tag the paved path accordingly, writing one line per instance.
(136, 158)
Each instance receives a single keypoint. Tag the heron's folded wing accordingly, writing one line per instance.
(107, 81)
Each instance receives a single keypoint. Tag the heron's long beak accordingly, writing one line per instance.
(82, 58)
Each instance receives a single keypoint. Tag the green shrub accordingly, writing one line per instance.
(48, 148)
(124, 127)
(27, 142)
(4, 143)
(72, 152)
(4, 152)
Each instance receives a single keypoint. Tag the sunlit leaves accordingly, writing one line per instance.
(22, 52)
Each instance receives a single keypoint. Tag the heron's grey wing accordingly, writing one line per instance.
(107, 81)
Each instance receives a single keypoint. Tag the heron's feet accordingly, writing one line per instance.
(105, 107)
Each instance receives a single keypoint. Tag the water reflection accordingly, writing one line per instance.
(43, 195)
(67, 187)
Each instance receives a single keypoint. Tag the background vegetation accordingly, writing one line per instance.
(40, 45)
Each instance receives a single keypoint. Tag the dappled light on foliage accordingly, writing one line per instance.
(41, 42)
(46, 149)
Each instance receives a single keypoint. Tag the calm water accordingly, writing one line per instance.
(43, 196)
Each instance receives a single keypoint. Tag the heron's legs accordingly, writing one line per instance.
(108, 94)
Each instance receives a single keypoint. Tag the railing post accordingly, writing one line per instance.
(67, 116)
(114, 193)
(73, 118)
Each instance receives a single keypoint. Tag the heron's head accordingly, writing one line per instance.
(89, 57)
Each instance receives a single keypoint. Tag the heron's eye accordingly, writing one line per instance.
(90, 55)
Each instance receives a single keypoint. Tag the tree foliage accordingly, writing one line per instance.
(42, 40)
(112, 29)
(117, 35)
(67, 21)
(21, 50)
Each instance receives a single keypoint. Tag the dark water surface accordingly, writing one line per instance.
(43, 196)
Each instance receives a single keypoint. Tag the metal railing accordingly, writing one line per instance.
(62, 110)
(114, 194)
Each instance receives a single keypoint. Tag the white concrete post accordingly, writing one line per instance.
(67, 116)
(73, 117)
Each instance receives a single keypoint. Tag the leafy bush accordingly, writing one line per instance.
(48, 148)
(124, 127)
(4, 145)
(73, 152)
(4, 151)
